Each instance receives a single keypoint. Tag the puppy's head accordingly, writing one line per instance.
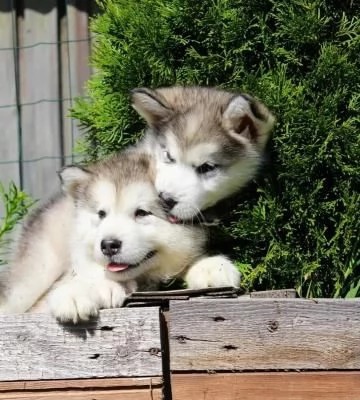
(120, 223)
(207, 143)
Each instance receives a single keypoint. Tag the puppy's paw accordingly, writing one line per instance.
(110, 294)
(73, 301)
(214, 271)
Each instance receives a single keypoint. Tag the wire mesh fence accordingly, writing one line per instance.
(44, 63)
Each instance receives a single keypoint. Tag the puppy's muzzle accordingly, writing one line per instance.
(168, 202)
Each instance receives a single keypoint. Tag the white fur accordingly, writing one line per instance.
(67, 243)
(196, 192)
(179, 179)
(32, 271)
(63, 269)
(81, 298)
(94, 287)
(213, 271)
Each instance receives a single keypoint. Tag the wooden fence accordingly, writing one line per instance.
(44, 51)
(209, 348)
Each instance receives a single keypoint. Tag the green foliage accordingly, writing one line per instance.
(299, 225)
(16, 204)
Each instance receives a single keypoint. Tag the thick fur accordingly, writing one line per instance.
(63, 263)
(208, 143)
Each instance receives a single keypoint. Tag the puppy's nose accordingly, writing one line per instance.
(168, 201)
(110, 247)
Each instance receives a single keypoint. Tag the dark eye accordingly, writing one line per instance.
(167, 157)
(142, 213)
(205, 168)
(102, 214)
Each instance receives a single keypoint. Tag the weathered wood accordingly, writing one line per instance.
(75, 69)
(39, 71)
(126, 383)
(267, 386)
(112, 394)
(85, 389)
(274, 294)
(261, 334)
(9, 144)
(122, 343)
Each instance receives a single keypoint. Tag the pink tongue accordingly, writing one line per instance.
(117, 267)
(172, 219)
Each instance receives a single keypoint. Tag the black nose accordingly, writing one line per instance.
(110, 247)
(168, 201)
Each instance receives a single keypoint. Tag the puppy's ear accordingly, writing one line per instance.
(150, 105)
(249, 118)
(72, 177)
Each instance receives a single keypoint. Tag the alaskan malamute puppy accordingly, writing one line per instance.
(208, 143)
(104, 237)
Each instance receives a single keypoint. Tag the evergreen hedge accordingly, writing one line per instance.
(298, 225)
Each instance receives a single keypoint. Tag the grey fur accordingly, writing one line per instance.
(189, 119)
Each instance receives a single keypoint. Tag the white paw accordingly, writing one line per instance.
(111, 294)
(74, 301)
(214, 271)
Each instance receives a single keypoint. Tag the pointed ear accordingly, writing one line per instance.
(72, 177)
(150, 105)
(249, 118)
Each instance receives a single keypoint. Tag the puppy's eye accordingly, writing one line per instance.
(102, 214)
(142, 213)
(205, 168)
(167, 157)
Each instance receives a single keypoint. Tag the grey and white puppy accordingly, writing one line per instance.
(208, 143)
(105, 236)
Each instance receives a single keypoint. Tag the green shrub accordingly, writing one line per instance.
(299, 224)
(15, 204)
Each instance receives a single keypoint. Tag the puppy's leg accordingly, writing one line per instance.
(213, 271)
(82, 297)
(29, 277)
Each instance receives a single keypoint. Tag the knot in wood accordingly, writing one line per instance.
(154, 351)
(219, 318)
(273, 326)
(181, 339)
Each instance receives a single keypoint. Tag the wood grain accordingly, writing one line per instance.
(267, 386)
(112, 394)
(272, 294)
(9, 149)
(39, 73)
(122, 343)
(75, 69)
(85, 389)
(124, 383)
(264, 334)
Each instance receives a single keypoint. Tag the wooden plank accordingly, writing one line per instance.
(264, 334)
(121, 343)
(75, 69)
(89, 389)
(267, 386)
(39, 71)
(112, 394)
(9, 145)
(124, 383)
(274, 294)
